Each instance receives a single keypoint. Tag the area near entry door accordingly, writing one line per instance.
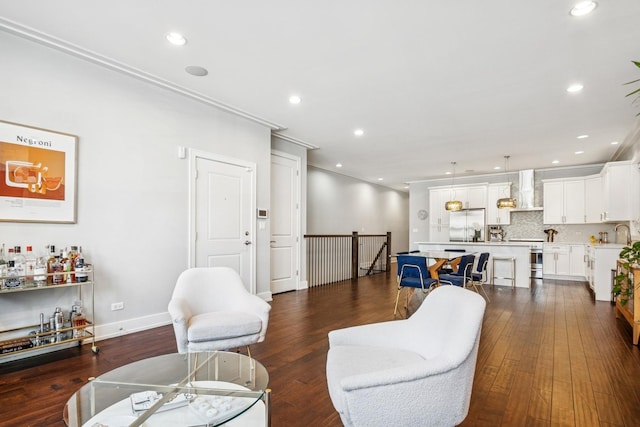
(223, 215)
(284, 223)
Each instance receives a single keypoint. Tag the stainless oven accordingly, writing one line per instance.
(536, 262)
(535, 255)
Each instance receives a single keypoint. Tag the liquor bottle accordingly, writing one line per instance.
(29, 264)
(72, 256)
(40, 271)
(80, 268)
(3, 266)
(66, 267)
(13, 279)
(19, 260)
(57, 269)
(50, 260)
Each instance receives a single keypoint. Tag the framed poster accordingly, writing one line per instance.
(38, 169)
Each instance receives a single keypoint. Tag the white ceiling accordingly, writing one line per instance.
(429, 82)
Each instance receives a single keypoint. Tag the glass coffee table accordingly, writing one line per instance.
(195, 389)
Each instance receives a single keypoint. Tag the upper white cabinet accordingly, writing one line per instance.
(593, 206)
(564, 201)
(497, 216)
(620, 184)
(438, 215)
(474, 197)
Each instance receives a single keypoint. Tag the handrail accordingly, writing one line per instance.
(337, 257)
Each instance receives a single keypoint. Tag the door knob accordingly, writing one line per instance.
(247, 242)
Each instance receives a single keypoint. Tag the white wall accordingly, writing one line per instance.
(132, 188)
(338, 204)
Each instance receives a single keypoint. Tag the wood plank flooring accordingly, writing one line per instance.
(549, 355)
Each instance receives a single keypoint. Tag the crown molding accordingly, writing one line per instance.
(295, 141)
(49, 41)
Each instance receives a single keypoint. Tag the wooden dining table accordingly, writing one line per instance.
(440, 258)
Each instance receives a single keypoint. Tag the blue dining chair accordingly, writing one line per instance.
(479, 277)
(461, 277)
(413, 272)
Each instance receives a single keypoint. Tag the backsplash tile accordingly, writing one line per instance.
(528, 224)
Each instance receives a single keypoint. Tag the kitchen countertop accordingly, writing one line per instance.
(527, 244)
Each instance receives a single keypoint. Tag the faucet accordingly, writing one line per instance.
(628, 232)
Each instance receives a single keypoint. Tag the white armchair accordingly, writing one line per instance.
(211, 310)
(413, 372)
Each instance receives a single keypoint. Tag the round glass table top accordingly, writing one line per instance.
(194, 389)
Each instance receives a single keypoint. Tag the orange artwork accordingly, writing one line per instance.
(31, 172)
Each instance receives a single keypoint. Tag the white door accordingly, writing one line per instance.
(222, 217)
(285, 212)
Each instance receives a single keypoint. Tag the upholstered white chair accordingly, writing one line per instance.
(212, 310)
(413, 372)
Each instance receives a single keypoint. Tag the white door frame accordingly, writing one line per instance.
(191, 248)
(298, 212)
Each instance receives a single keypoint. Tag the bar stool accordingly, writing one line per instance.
(512, 261)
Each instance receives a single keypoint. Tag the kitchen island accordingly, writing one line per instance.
(520, 250)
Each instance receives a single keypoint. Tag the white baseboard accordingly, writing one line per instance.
(304, 284)
(129, 326)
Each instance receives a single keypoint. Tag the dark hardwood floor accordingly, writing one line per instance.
(549, 355)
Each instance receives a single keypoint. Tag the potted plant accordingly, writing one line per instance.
(631, 258)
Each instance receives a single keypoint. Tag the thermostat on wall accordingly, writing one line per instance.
(263, 213)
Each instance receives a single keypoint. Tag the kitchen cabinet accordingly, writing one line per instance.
(603, 259)
(593, 205)
(590, 255)
(497, 216)
(563, 259)
(564, 201)
(619, 181)
(577, 265)
(474, 197)
(439, 216)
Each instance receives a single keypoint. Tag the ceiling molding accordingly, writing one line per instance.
(79, 52)
(295, 141)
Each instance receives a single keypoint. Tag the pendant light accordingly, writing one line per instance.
(453, 205)
(506, 202)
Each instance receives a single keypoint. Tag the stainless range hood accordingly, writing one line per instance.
(526, 192)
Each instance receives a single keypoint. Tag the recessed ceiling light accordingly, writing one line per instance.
(196, 70)
(555, 162)
(495, 168)
(614, 142)
(447, 173)
(176, 39)
(579, 152)
(338, 165)
(575, 88)
(406, 186)
(582, 136)
(295, 99)
(583, 8)
(358, 132)
(380, 179)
